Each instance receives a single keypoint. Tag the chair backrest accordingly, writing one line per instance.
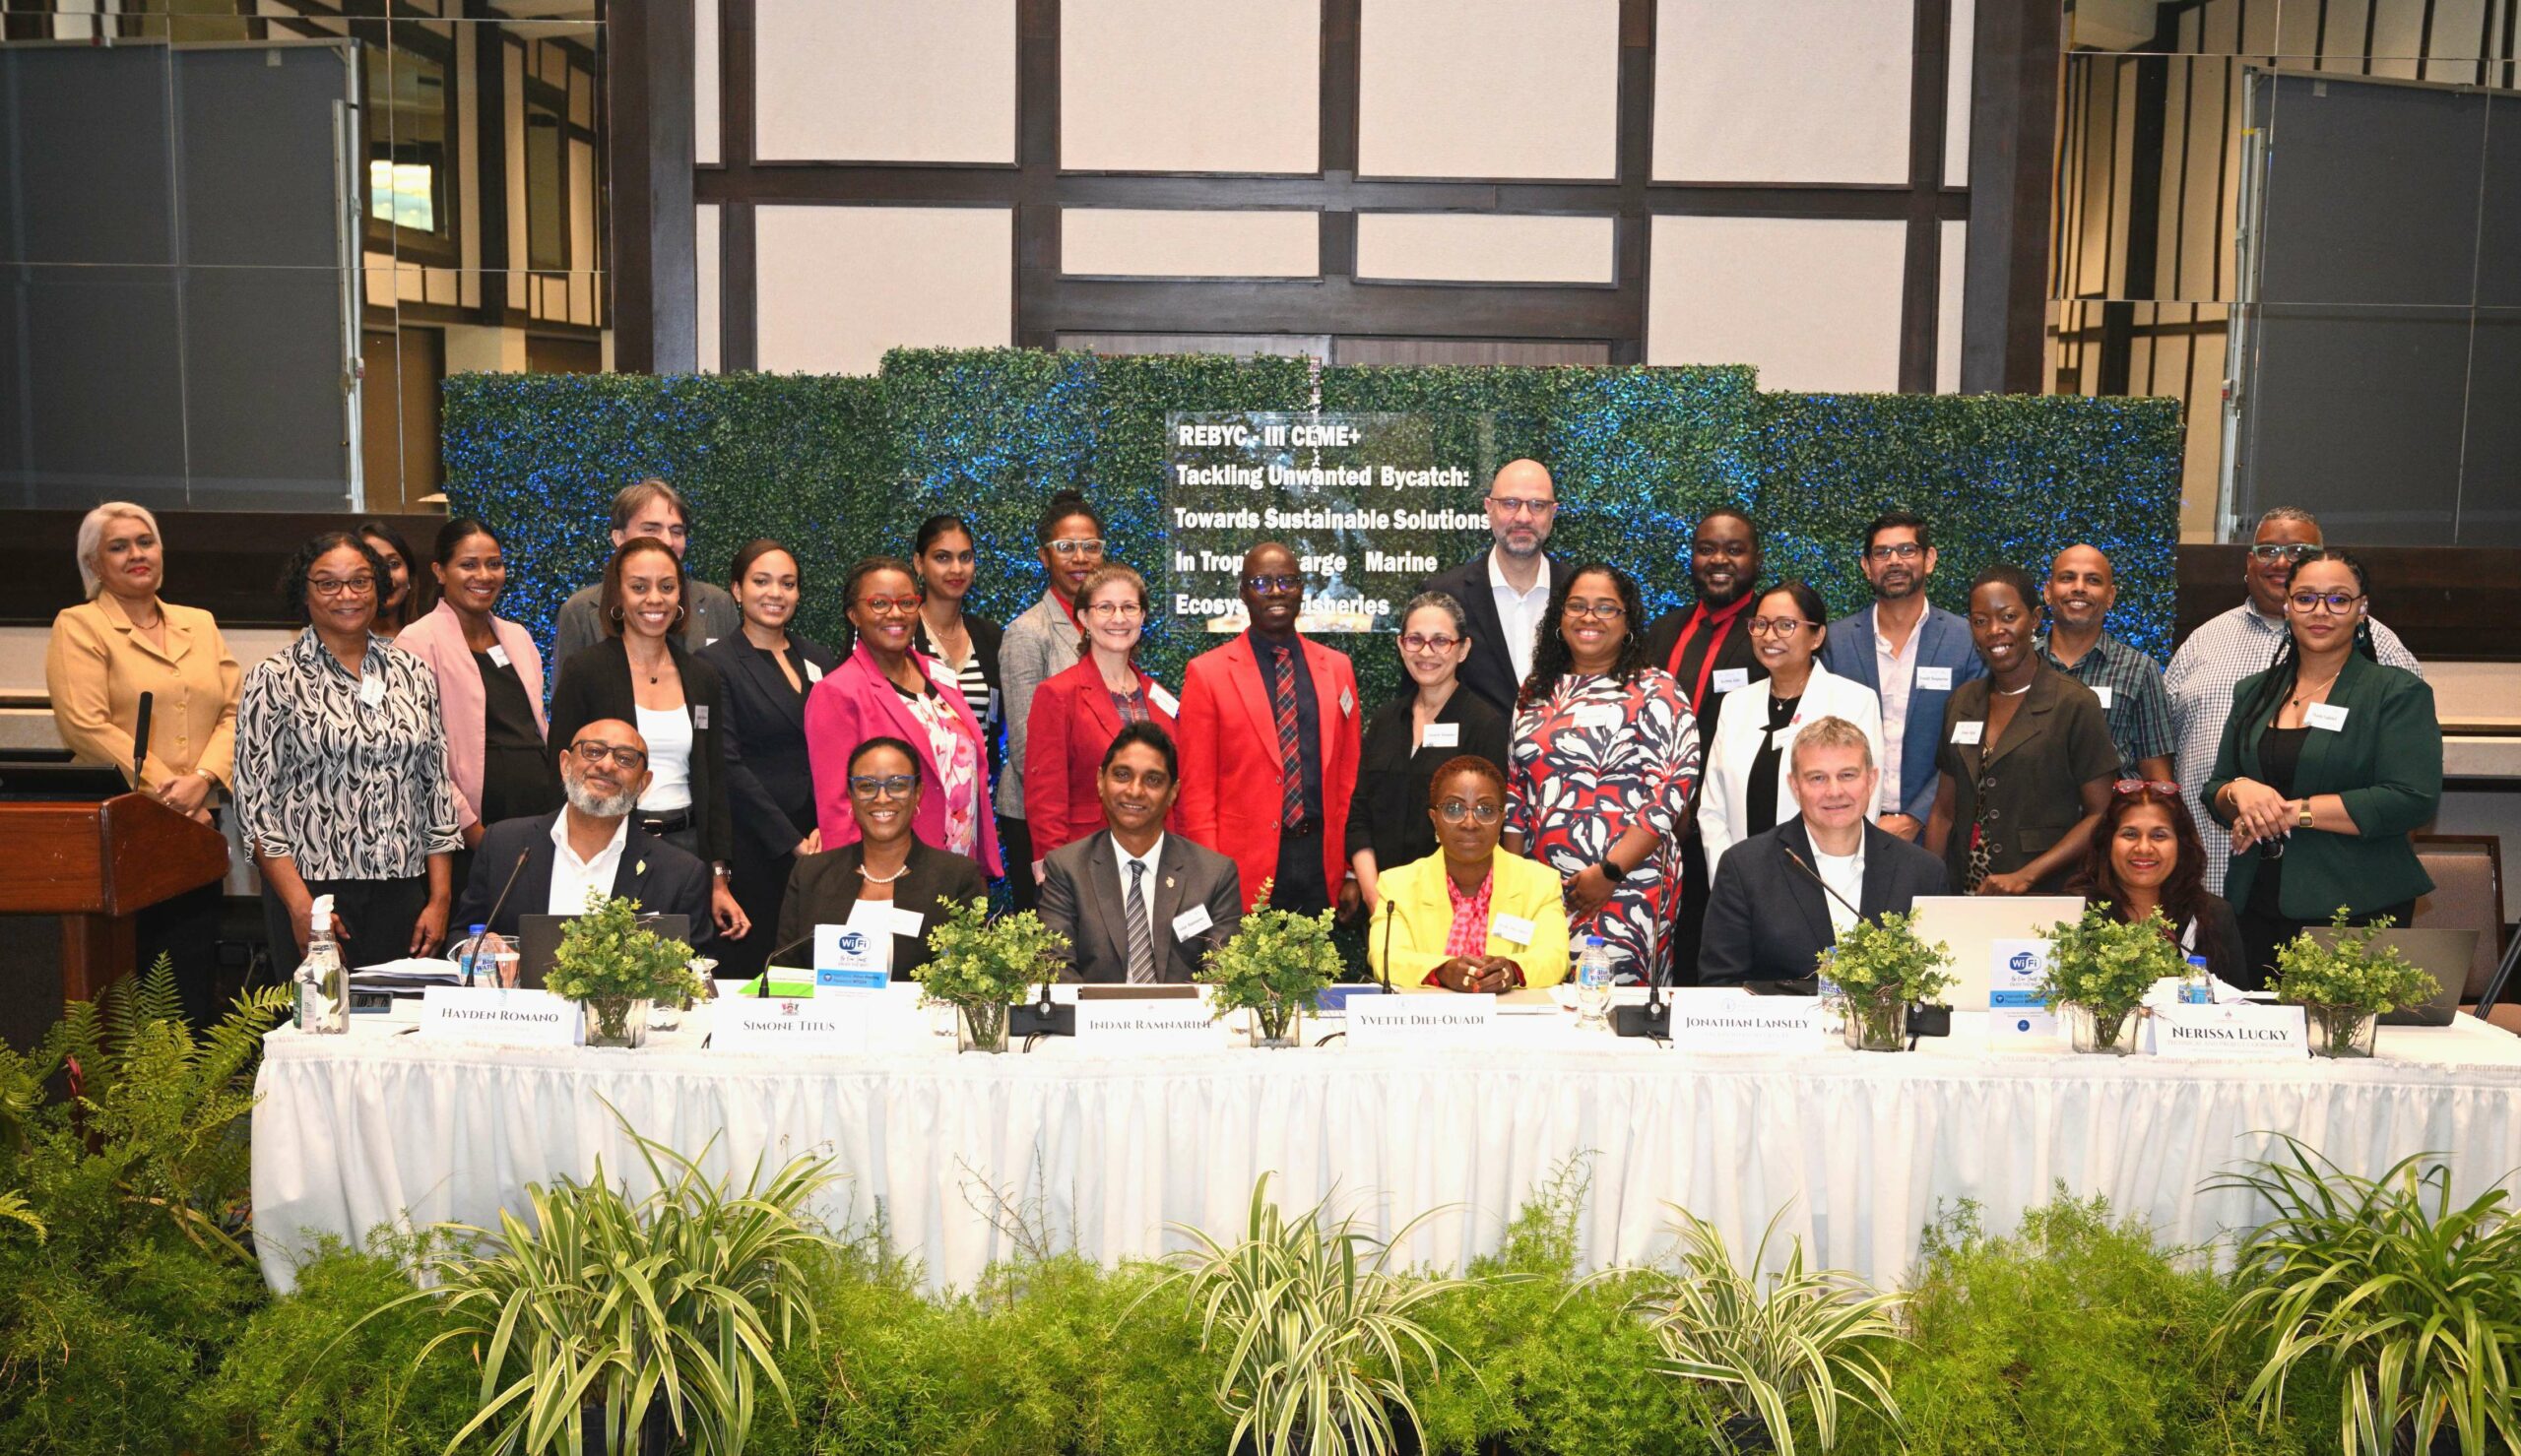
(2467, 895)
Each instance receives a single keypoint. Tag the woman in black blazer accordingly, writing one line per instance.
(766, 670)
(1409, 736)
(643, 675)
(889, 871)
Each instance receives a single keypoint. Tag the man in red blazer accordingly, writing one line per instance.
(1268, 736)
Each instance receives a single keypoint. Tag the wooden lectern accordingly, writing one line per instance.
(96, 864)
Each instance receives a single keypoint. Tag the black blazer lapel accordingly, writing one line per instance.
(630, 876)
(1804, 889)
(2323, 746)
(1877, 894)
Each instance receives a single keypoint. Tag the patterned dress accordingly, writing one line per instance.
(1595, 758)
(958, 767)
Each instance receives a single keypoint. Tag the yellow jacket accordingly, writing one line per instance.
(97, 665)
(1417, 914)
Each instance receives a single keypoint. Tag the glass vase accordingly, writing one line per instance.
(1278, 1024)
(2342, 1031)
(1877, 1023)
(617, 1020)
(2088, 1033)
(980, 1026)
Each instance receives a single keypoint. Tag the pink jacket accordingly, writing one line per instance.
(854, 703)
(438, 639)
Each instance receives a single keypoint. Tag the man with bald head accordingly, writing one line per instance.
(2080, 592)
(1505, 589)
(592, 845)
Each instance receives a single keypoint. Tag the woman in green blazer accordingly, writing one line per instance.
(2329, 762)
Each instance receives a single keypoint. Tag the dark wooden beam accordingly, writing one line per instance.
(739, 319)
(1922, 260)
(648, 98)
(2013, 142)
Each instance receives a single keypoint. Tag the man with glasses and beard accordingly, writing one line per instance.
(1912, 654)
(592, 845)
(1506, 589)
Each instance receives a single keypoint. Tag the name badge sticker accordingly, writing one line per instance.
(1969, 730)
(1163, 699)
(1596, 716)
(371, 691)
(1729, 679)
(1442, 735)
(1191, 921)
(1347, 702)
(499, 656)
(2327, 715)
(2102, 690)
(1512, 928)
(700, 716)
(1935, 680)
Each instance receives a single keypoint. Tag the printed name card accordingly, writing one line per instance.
(829, 1024)
(508, 1018)
(1429, 1020)
(1720, 1019)
(2235, 1029)
(1175, 1024)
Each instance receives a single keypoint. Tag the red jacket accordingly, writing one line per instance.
(1071, 724)
(854, 703)
(1231, 769)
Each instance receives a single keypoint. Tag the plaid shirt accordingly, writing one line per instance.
(2212, 662)
(1468, 937)
(2129, 684)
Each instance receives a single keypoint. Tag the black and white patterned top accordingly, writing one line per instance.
(345, 775)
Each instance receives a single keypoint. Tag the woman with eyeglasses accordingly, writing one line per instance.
(1410, 737)
(1079, 711)
(1747, 789)
(886, 690)
(341, 787)
(887, 879)
(1605, 758)
(767, 670)
(2146, 856)
(2329, 762)
(1039, 645)
(2026, 757)
(641, 673)
(1471, 916)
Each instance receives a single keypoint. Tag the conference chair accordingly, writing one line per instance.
(2468, 895)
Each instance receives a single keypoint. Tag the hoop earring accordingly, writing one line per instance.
(678, 613)
(616, 613)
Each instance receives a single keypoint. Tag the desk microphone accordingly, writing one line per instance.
(493, 918)
(1383, 971)
(1815, 877)
(1923, 1019)
(140, 737)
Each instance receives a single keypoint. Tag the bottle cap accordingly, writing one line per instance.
(320, 913)
(2197, 961)
(476, 928)
(1592, 942)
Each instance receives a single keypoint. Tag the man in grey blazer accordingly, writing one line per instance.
(1912, 654)
(1136, 904)
(651, 508)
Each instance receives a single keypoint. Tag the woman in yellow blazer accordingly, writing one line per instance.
(1471, 916)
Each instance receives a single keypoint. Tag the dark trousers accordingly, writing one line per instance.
(1016, 846)
(377, 914)
(1689, 917)
(2262, 936)
(1298, 885)
(759, 885)
(184, 928)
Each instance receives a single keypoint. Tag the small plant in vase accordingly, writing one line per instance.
(1275, 967)
(2099, 969)
(618, 968)
(981, 967)
(1880, 970)
(2343, 986)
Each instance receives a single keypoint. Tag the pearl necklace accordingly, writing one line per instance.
(884, 879)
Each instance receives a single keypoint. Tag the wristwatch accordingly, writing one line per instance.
(1612, 870)
(2303, 820)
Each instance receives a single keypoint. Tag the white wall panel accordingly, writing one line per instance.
(1783, 91)
(705, 243)
(1956, 94)
(1476, 247)
(1132, 242)
(1487, 88)
(884, 80)
(838, 286)
(1190, 86)
(1813, 302)
(1953, 243)
(705, 106)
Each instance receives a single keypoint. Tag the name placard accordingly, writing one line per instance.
(506, 1018)
(792, 1023)
(1719, 1019)
(2240, 1029)
(2015, 1009)
(1431, 1019)
(1177, 1023)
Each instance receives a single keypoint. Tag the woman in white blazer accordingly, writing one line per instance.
(1747, 786)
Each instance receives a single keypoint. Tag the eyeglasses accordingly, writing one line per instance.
(892, 786)
(1510, 505)
(1275, 582)
(1777, 627)
(2147, 786)
(2296, 551)
(900, 607)
(594, 751)
(1610, 611)
(325, 585)
(1124, 610)
(1484, 812)
(1072, 546)
(2338, 604)
(1420, 642)
(1906, 550)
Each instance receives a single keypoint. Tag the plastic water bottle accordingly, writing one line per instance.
(1832, 1007)
(1593, 982)
(468, 963)
(2196, 987)
(323, 982)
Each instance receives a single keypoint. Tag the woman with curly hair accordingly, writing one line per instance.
(1605, 756)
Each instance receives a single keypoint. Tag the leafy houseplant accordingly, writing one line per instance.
(979, 967)
(1275, 967)
(2100, 967)
(614, 966)
(2343, 986)
(1880, 970)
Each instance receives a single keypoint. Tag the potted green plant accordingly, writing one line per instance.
(1881, 969)
(1275, 967)
(2343, 986)
(979, 967)
(616, 969)
(2099, 969)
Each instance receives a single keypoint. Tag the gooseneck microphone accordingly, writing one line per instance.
(1383, 971)
(1815, 877)
(140, 737)
(493, 919)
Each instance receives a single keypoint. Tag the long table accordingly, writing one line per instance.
(1860, 1149)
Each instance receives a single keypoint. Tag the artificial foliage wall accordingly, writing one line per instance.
(841, 467)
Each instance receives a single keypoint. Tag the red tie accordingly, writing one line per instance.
(1291, 757)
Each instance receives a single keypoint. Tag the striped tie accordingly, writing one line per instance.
(1141, 939)
(1291, 757)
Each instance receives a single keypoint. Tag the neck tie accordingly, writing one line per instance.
(1141, 939)
(1291, 757)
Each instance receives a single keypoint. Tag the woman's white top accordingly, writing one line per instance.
(1723, 818)
(669, 734)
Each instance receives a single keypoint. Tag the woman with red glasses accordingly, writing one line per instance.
(2146, 856)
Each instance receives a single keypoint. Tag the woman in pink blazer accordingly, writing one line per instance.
(1078, 712)
(490, 687)
(886, 690)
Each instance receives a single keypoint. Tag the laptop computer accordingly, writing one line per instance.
(538, 941)
(2442, 953)
(1969, 926)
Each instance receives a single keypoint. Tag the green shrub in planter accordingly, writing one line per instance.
(2104, 966)
(2343, 986)
(1275, 967)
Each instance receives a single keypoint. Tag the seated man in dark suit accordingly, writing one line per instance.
(593, 844)
(1138, 905)
(1781, 898)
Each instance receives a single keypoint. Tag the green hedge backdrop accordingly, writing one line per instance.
(840, 468)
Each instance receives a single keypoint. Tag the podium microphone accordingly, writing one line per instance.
(140, 737)
(499, 904)
(1383, 971)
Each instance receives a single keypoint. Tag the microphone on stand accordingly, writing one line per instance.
(1383, 971)
(140, 737)
(1654, 1018)
(1923, 1019)
(493, 918)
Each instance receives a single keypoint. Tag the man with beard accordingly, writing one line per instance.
(1269, 734)
(1134, 902)
(1912, 653)
(1507, 590)
(2080, 591)
(592, 845)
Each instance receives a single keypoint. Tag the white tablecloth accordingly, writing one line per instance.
(1860, 1148)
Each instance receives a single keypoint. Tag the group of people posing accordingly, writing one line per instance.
(1714, 793)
